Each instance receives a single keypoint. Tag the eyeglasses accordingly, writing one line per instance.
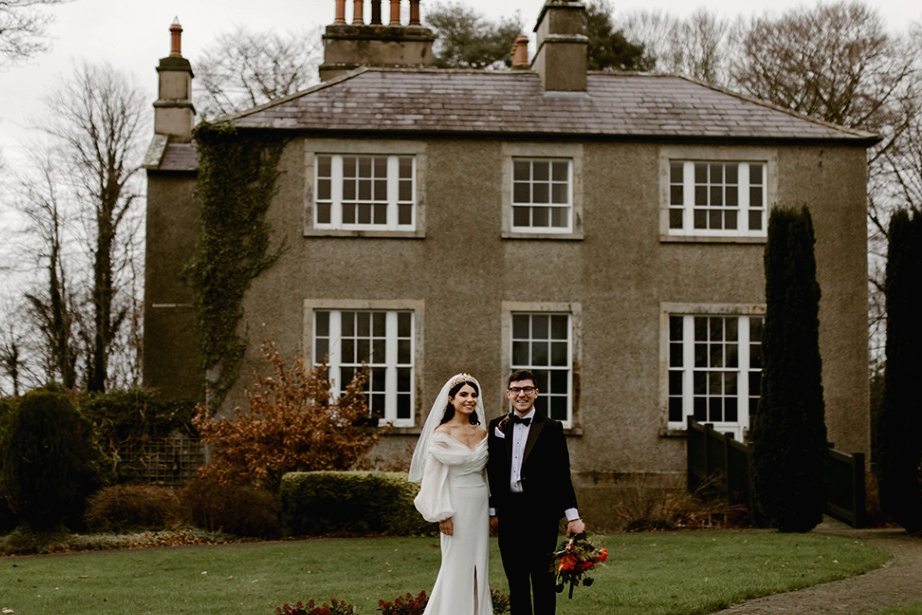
(526, 390)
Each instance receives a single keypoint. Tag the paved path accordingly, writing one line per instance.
(896, 583)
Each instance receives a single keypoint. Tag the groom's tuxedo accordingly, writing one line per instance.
(545, 467)
(528, 520)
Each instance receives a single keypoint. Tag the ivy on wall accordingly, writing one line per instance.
(236, 184)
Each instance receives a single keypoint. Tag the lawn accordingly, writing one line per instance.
(909, 609)
(651, 573)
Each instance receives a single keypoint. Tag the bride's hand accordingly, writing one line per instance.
(447, 527)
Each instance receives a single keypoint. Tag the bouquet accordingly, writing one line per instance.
(573, 559)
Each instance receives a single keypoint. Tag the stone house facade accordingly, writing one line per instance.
(603, 229)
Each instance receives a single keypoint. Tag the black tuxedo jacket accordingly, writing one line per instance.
(545, 467)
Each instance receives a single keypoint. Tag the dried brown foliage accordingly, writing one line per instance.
(290, 424)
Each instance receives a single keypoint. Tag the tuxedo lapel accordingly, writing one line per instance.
(537, 425)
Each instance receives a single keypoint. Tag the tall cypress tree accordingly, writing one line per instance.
(897, 424)
(789, 432)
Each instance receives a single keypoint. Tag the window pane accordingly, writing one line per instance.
(520, 326)
(404, 351)
(521, 193)
(561, 171)
(321, 349)
(363, 351)
(521, 170)
(539, 353)
(364, 190)
(348, 351)
(733, 198)
(755, 220)
(676, 355)
(559, 354)
(380, 190)
(406, 168)
(560, 217)
(348, 323)
(701, 173)
(540, 193)
(559, 408)
(404, 214)
(324, 166)
(405, 191)
(560, 193)
(324, 189)
(520, 353)
(560, 327)
(676, 218)
(675, 383)
(403, 324)
(540, 326)
(520, 216)
(323, 213)
(541, 216)
(676, 172)
(322, 323)
(364, 166)
(732, 171)
(541, 170)
(559, 382)
(675, 409)
(349, 165)
(730, 221)
(676, 195)
(379, 212)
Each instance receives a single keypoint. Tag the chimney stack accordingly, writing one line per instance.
(347, 46)
(173, 110)
(561, 47)
(520, 52)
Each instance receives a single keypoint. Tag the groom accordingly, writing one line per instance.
(529, 473)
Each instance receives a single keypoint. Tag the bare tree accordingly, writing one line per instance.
(99, 119)
(243, 69)
(698, 46)
(23, 27)
(836, 62)
(50, 304)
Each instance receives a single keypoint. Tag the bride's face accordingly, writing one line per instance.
(465, 400)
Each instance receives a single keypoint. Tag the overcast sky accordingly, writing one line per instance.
(133, 34)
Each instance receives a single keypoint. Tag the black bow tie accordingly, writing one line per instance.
(517, 419)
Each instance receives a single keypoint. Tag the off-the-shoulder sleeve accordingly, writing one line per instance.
(434, 500)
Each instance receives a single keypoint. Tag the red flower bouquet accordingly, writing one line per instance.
(573, 559)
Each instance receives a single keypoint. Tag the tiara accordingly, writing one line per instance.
(462, 377)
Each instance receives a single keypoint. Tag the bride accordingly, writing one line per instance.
(449, 462)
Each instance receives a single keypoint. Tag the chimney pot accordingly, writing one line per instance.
(175, 38)
(395, 13)
(358, 13)
(414, 13)
(520, 52)
(376, 12)
(340, 12)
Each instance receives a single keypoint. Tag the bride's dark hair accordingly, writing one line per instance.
(450, 409)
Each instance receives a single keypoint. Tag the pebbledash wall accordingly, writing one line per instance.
(628, 292)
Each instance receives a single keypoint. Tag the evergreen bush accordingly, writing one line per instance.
(8, 520)
(50, 463)
(353, 503)
(897, 423)
(788, 433)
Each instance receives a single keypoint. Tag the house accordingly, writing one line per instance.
(606, 230)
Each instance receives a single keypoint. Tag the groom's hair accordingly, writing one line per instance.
(522, 374)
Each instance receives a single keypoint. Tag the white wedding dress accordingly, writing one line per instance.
(454, 485)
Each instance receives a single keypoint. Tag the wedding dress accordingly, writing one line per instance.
(454, 485)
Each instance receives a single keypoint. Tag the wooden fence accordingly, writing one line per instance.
(727, 464)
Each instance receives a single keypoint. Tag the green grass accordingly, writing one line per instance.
(909, 609)
(656, 573)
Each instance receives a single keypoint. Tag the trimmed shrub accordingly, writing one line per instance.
(8, 520)
(352, 503)
(123, 508)
(789, 430)
(897, 445)
(50, 461)
(241, 510)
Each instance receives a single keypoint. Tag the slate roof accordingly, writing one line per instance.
(429, 102)
(628, 105)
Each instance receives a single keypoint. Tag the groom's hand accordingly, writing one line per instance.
(494, 524)
(447, 526)
(576, 527)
